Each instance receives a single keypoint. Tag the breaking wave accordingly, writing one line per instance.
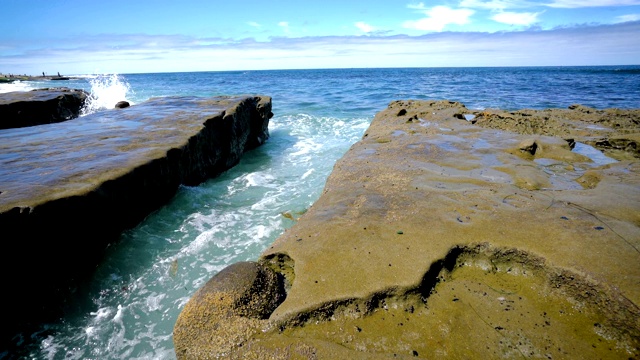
(106, 91)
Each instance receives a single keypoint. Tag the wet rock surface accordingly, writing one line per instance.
(41, 106)
(69, 189)
(614, 131)
(438, 236)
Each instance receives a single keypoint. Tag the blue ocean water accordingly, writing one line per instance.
(129, 309)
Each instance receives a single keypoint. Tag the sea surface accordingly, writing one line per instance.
(137, 292)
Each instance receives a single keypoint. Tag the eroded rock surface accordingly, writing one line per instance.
(41, 106)
(614, 131)
(227, 309)
(438, 238)
(69, 189)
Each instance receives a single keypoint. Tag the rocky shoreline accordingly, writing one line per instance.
(69, 189)
(4, 78)
(448, 233)
(40, 106)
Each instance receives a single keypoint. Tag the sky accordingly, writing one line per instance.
(142, 36)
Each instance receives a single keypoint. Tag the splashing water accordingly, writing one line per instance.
(106, 91)
(15, 86)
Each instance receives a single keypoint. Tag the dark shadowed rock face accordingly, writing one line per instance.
(69, 189)
(122, 104)
(41, 106)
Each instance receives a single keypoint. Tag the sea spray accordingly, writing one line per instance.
(15, 86)
(106, 91)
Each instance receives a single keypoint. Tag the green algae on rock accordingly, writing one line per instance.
(513, 245)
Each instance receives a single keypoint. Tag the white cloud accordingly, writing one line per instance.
(512, 18)
(495, 5)
(284, 25)
(438, 17)
(254, 24)
(629, 17)
(364, 27)
(418, 6)
(613, 44)
(591, 3)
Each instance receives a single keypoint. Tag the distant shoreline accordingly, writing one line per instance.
(11, 78)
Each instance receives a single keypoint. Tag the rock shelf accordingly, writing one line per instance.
(69, 189)
(40, 106)
(452, 233)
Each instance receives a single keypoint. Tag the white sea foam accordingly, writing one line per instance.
(153, 302)
(118, 317)
(306, 147)
(267, 202)
(50, 347)
(15, 86)
(106, 91)
(257, 179)
(306, 174)
(102, 313)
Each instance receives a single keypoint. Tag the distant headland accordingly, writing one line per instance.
(8, 78)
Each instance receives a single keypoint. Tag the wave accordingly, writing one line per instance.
(15, 86)
(106, 91)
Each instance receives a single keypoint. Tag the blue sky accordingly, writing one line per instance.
(86, 37)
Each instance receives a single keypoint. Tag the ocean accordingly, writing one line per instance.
(129, 308)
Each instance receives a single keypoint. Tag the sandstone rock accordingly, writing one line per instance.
(529, 146)
(614, 131)
(436, 238)
(226, 311)
(40, 106)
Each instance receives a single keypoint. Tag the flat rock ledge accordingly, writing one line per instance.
(40, 106)
(438, 236)
(69, 189)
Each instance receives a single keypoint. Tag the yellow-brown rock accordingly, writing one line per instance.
(438, 238)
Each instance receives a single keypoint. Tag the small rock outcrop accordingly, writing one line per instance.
(67, 190)
(41, 106)
(239, 297)
(122, 104)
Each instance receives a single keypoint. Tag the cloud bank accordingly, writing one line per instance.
(616, 45)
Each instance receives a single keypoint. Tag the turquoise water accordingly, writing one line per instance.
(129, 309)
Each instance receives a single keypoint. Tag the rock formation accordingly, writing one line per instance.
(122, 104)
(439, 235)
(40, 106)
(69, 189)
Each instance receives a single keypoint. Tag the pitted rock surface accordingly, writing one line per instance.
(436, 237)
